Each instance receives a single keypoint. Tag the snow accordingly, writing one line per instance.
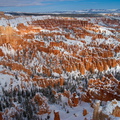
(106, 30)
(5, 80)
(43, 30)
(118, 55)
(114, 69)
(64, 99)
(34, 62)
(76, 96)
(114, 118)
(22, 19)
(56, 74)
(87, 39)
(8, 14)
(117, 68)
(111, 106)
(111, 41)
(75, 113)
(7, 50)
(74, 42)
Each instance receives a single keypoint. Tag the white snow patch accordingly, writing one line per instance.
(110, 107)
(106, 30)
(55, 74)
(7, 50)
(75, 113)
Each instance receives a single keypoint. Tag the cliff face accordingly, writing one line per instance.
(57, 61)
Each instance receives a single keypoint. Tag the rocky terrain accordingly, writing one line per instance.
(59, 68)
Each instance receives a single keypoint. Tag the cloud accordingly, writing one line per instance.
(8, 3)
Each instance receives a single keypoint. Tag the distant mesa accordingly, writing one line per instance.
(2, 13)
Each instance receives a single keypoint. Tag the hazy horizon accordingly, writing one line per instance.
(56, 5)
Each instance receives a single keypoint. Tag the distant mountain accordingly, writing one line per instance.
(92, 11)
(86, 11)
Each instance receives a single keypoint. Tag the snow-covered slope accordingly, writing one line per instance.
(59, 68)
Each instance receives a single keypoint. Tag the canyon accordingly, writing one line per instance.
(59, 68)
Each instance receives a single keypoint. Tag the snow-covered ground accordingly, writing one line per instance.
(74, 113)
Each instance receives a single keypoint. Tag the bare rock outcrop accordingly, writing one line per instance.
(56, 115)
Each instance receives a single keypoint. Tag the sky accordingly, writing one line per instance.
(56, 5)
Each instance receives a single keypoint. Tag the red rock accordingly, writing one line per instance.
(1, 13)
(56, 116)
(66, 94)
(82, 69)
(1, 53)
(105, 90)
(57, 70)
(85, 112)
(61, 81)
(1, 118)
(44, 108)
(74, 100)
(116, 112)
